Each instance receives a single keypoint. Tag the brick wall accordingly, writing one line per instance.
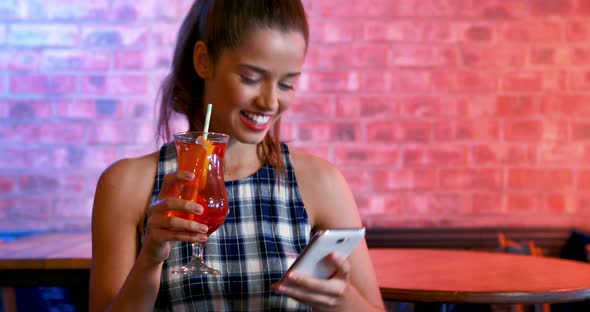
(438, 112)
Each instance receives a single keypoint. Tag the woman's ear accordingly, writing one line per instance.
(201, 60)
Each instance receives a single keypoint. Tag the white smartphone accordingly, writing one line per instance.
(312, 260)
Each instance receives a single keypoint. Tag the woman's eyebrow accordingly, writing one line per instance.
(264, 72)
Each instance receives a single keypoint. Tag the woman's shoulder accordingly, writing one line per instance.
(309, 166)
(124, 188)
(133, 169)
(325, 192)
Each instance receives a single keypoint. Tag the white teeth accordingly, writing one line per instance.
(258, 119)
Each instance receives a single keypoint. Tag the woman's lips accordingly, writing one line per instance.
(254, 121)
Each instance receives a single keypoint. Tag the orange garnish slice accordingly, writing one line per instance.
(209, 148)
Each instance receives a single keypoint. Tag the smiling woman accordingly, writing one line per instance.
(182, 92)
(244, 57)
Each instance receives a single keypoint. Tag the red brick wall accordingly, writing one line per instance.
(438, 112)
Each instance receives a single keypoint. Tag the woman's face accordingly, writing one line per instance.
(252, 85)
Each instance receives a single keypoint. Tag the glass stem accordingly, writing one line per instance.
(198, 249)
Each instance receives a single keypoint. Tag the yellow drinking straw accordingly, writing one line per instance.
(207, 119)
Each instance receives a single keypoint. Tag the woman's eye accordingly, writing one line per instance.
(248, 80)
(286, 86)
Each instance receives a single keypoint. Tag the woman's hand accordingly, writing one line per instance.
(322, 294)
(162, 229)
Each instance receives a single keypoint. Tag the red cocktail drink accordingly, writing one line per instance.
(202, 154)
(204, 159)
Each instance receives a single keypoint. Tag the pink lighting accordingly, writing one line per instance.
(438, 112)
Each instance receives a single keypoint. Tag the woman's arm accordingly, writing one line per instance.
(122, 195)
(330, 204)
(123, 277)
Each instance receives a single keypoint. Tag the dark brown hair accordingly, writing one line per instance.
(221, 24)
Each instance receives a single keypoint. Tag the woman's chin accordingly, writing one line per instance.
(250, 138)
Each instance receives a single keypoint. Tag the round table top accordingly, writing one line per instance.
(460, 276)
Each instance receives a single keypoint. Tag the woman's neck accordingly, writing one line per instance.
(241, 160)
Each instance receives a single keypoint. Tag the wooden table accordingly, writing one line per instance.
(54, 251)
(456, 276)
(58, 259)
(418, 275)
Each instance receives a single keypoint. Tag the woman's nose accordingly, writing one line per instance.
(267, 99)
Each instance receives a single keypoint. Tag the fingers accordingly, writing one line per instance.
(324, 293)
(163, 228)
(167, 235)
(167, 204)
(330, 287)
(342, 266)
(165, 217)
(315, 299)
(171, 183)
(160, 221)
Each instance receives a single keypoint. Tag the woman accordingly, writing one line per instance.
(245, 57)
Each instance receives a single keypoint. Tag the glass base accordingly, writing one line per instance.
(195, 267)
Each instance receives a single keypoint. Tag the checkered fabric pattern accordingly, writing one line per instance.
(267, 227)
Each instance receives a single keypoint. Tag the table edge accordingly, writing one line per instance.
(485, 297)
(62, 263)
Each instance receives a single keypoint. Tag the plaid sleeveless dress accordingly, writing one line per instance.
(266, 229)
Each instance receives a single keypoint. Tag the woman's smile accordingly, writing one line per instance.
(255, 121)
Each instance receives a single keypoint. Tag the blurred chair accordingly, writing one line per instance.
(521, 248)
(576, 248)
(8, 300)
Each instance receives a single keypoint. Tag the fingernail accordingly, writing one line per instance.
(338, 256)
(293, 276)
(191, 205)
(195, 207)
(188, 175)
(195, 226)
